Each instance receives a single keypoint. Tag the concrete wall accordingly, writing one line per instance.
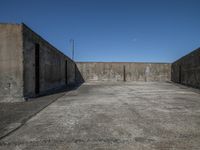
(52, 65)
(17, 67)
(18, 62)
(186, 70)
(11, 66)
(105, 71)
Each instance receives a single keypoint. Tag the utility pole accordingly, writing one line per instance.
(72, 47)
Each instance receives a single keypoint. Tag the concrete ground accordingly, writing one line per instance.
(14, 115)
(115, 116)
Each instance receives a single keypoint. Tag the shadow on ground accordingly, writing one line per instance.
(14, 115)
(114, 116)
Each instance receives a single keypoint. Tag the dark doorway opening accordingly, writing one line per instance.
(124, 73)
(180, 70)
(66, 80)
(75, 72)
(37, 68)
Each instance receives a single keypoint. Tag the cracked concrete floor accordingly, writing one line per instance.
(115, 116)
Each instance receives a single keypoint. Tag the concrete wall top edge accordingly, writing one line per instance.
(45, 41)
(187, 55)
(127, 62)
(3, 23)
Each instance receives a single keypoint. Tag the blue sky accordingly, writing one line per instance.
(112, 30)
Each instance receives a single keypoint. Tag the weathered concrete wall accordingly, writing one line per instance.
(18, 66)
(52, 65)
(11, 66)
(105, 71)
(187, 70)
(18, 44)
(70, 72)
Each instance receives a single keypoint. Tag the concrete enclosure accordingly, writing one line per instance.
(186, 70)
(30, 66)
(98, 115)
(99, 71)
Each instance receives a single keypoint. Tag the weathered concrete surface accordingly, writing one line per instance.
(187, 69)
(14, 115)
(117, 116)
(18, 65)
(11, 62)
(53, 69)
(120, 71)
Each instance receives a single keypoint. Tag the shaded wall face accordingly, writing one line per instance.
(70, 72)
(187, 70)
(52, 66)
(11, 74)
(125, 71)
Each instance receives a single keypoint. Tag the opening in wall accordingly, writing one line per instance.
(66, 80)
(124, 73)
(37, 68)
(180, 70)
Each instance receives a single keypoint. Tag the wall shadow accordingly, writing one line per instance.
(78, 81)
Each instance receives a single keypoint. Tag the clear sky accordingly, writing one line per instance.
(112, 30)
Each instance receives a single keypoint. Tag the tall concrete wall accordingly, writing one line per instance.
(105, 71)
(18, 61)
(186, 70)
(52, 65)
(11, 62)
